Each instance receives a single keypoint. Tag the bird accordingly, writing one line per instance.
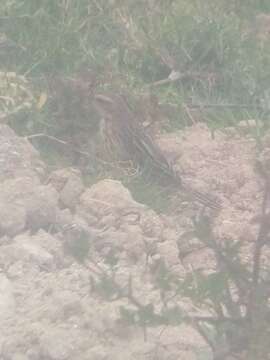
(128, 135)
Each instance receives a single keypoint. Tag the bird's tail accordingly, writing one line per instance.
(205, 199)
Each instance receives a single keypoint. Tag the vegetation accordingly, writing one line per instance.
(214, 46)
(230, 305)
(199, 59)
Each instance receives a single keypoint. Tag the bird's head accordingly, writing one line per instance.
(112, 106)
(104, 105)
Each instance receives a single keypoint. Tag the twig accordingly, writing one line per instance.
(187, 109)
(178, 76)
(163, 81)
(233, 106)
(260, 241)
(205, 234)
(60, 141)
(40, 135)
(206, 338)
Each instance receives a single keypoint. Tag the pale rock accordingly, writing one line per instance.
(67, 304)
(99, 353)
(39, 202)
(12, 218)
(63, 218)
(19, 356)
(135, 245)
(151, 224)
(5, 240)
(106, 197)
(69, 184)
(24, 249)
(63, 342)
(169, 252)
(112, 238)
(7, 300)
(48, 242)
(17, 156)
(56, 346)
(42, 207)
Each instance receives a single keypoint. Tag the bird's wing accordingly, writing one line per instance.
(147, 150)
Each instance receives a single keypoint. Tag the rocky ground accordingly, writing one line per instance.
(58, 237)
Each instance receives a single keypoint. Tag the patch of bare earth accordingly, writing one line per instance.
(49, 305)
(224, 165)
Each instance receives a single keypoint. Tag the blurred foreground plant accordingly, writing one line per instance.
(230, 304)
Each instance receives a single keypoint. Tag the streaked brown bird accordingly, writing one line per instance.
(129, 138)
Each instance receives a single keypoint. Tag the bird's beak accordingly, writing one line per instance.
(104, 105)
(102, 99)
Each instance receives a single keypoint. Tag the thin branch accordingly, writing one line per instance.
(206, 338)
(53, 138)
(205, 234)
(260, 241)
(232, 106)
